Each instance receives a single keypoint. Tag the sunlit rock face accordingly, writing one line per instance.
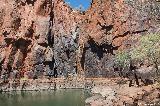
(48, 37)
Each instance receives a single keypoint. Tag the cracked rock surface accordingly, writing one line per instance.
(47, 37)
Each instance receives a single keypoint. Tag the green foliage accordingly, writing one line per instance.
(147, 49)
(122, 59)
(137, 54)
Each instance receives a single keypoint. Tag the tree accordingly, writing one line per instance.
(122, 61)
(148, 49)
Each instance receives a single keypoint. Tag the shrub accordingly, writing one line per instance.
(147, 49)
(122, 59)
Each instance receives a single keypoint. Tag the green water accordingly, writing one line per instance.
(46, 98)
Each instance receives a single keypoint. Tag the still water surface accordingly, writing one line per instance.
(46, 98)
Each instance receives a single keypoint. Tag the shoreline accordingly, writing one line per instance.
(53, 84)
(110, 91)
(45, 84)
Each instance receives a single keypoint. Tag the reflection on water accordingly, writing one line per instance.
(46, 98)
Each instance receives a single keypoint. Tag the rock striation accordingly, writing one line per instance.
(47, 37)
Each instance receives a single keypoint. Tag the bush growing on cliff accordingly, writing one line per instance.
(148, 48)
(122, 59)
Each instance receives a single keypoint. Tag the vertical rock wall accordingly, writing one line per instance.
(47, 37)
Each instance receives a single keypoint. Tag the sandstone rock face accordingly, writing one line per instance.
(47, 37)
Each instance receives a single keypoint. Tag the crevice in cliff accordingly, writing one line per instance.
(9, 41)
(128, 32)
(50, 35)
(11, 57)
(31, 2)
(139, 32)
(50, 38)
(54, 68)
(107, 28)
(55, 72)
(123, 35)
(97, 49)
(1, 63)
(51, 13)
(93, 48)
(43, 44)
(21, 45)
(30, 31)
(16, 23)
(83, 58)
(102, 48)
(2, 13)
(67, 53)
(52, 71)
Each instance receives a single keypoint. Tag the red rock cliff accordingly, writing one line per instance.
(47, 37)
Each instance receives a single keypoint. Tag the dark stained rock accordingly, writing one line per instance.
(48, 35)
